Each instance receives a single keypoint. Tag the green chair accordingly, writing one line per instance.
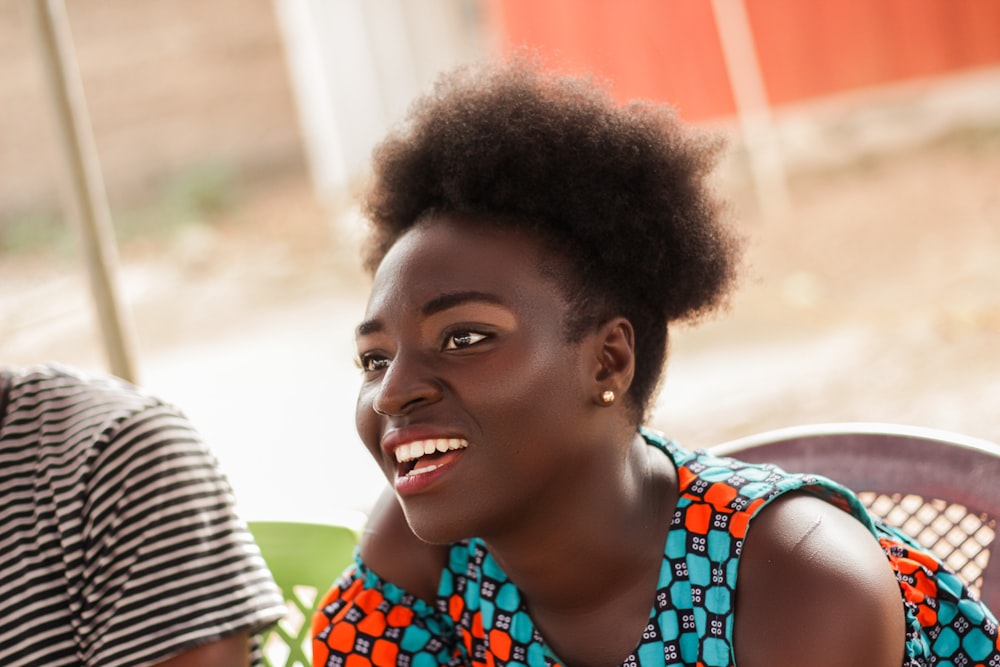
(305, 559)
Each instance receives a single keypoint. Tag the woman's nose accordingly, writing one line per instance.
(406, 385)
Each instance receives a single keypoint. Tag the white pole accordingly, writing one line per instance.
(88, 199)
(766, 165)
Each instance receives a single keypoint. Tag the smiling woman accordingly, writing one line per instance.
(532, 242)
(471, 344)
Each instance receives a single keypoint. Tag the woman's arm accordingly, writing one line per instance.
(815, 588)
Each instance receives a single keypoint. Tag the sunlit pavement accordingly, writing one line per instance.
(277, 407)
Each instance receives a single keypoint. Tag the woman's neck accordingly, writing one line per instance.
(595, 539)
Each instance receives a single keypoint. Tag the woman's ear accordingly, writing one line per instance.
(615, 346)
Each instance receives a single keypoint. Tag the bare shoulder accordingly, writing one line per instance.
(815, 587)
(390, 549)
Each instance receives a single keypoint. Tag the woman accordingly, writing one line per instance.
(532, 243)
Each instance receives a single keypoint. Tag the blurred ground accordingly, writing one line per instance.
(877, 299)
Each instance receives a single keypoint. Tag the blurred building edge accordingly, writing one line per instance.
(176, 90)
(797, 85)
(357, 64)
(265, 88)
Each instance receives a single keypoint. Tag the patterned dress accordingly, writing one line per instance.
(480, 619)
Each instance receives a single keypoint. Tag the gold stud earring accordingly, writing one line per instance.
(607, 397)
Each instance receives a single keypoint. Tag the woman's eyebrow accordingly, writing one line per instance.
(368, 327)
(438, 304)
(451, 299)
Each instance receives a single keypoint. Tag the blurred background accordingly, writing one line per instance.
(232, 136)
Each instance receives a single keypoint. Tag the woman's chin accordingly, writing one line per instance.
(435, 527)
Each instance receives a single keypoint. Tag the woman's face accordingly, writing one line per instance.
(472, 401)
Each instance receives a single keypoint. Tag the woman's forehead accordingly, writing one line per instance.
(450, 246)
(449, 254)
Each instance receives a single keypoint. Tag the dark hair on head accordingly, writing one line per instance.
(619, 192)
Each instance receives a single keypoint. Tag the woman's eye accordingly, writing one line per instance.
(372, 363)
(462, 339)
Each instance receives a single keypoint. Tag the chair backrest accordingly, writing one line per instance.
(305, 559)
(939, 487)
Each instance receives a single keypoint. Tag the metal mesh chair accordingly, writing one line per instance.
(941, 488)
(305, 559)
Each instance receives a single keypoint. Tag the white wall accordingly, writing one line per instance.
(357, 64)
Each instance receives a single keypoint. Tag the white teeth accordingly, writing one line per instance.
(411, 451)
(421, 471)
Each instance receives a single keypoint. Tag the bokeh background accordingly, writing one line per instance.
(232, 136)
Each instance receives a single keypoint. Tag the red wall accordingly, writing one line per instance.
(670, 50)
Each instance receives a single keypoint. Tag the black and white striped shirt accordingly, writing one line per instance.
(119, 544)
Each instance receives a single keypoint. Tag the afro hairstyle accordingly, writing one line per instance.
(618, 192)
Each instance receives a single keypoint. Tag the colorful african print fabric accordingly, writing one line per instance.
(479, 618)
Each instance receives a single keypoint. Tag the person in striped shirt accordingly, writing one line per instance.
(119, 542)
